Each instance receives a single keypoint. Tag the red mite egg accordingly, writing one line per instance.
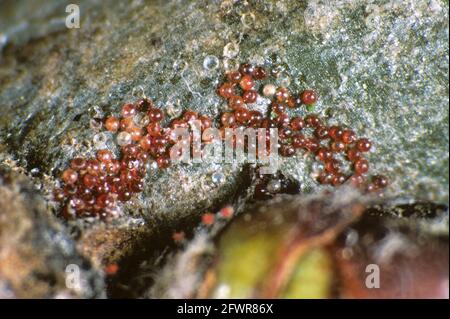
(83, 192)
(353, 155)
(144, 157)
(299, 141)
(208, 219)
(70, 190)
(104, 200)
(128, 110)
(332, 166)
(255, 118)
(58, 195)
(103, 188)
(236, 102)
(234, 76)
(93, 167)
(178, 237)
(104, 156)
(337, 146)
(130, 150)
(137, 187)
(89, 181)
(112, 124)
(155, 115)
(116, 185)
(250, 96)
(136, 133)
(125, 175)
(285, 133)
(228, 119)
(287, 150)
(356, 180)
(282, 94)
(153, 129)
(363, 145)
(380, 181)
(321, 132)
(226, 90)
(206, 137)
(242, 115)
(206, 122)
(308, 97)
(113, 166)
(124, 196)
(335, 132)
(78, 164)
(297, 123)
(259, 73)
(177, 123)
(171, 135)
(126, 123)
(278, 108)
(267, 123)
(160, 141)
(282, 120)
(361, 166)
(69, 176)
(312, 145)
(227, 211)
(246, 69)
(190, 116)
(111, 269)
(337, 179)
(77, 203)
(291, 102)
(324, 154)
(163, 162)
(325, 178)
(312, 120)
(247, 83)
(348, 136)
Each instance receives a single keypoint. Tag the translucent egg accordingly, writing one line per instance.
(123, 138)
(99, 140)
(231, 50)
(141, 119)
(218, 178)
(231, 64)
(211, 62)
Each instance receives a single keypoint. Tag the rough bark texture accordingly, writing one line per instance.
(36, 252)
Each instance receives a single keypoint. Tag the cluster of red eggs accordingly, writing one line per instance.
(326, 142)
(94, 186)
